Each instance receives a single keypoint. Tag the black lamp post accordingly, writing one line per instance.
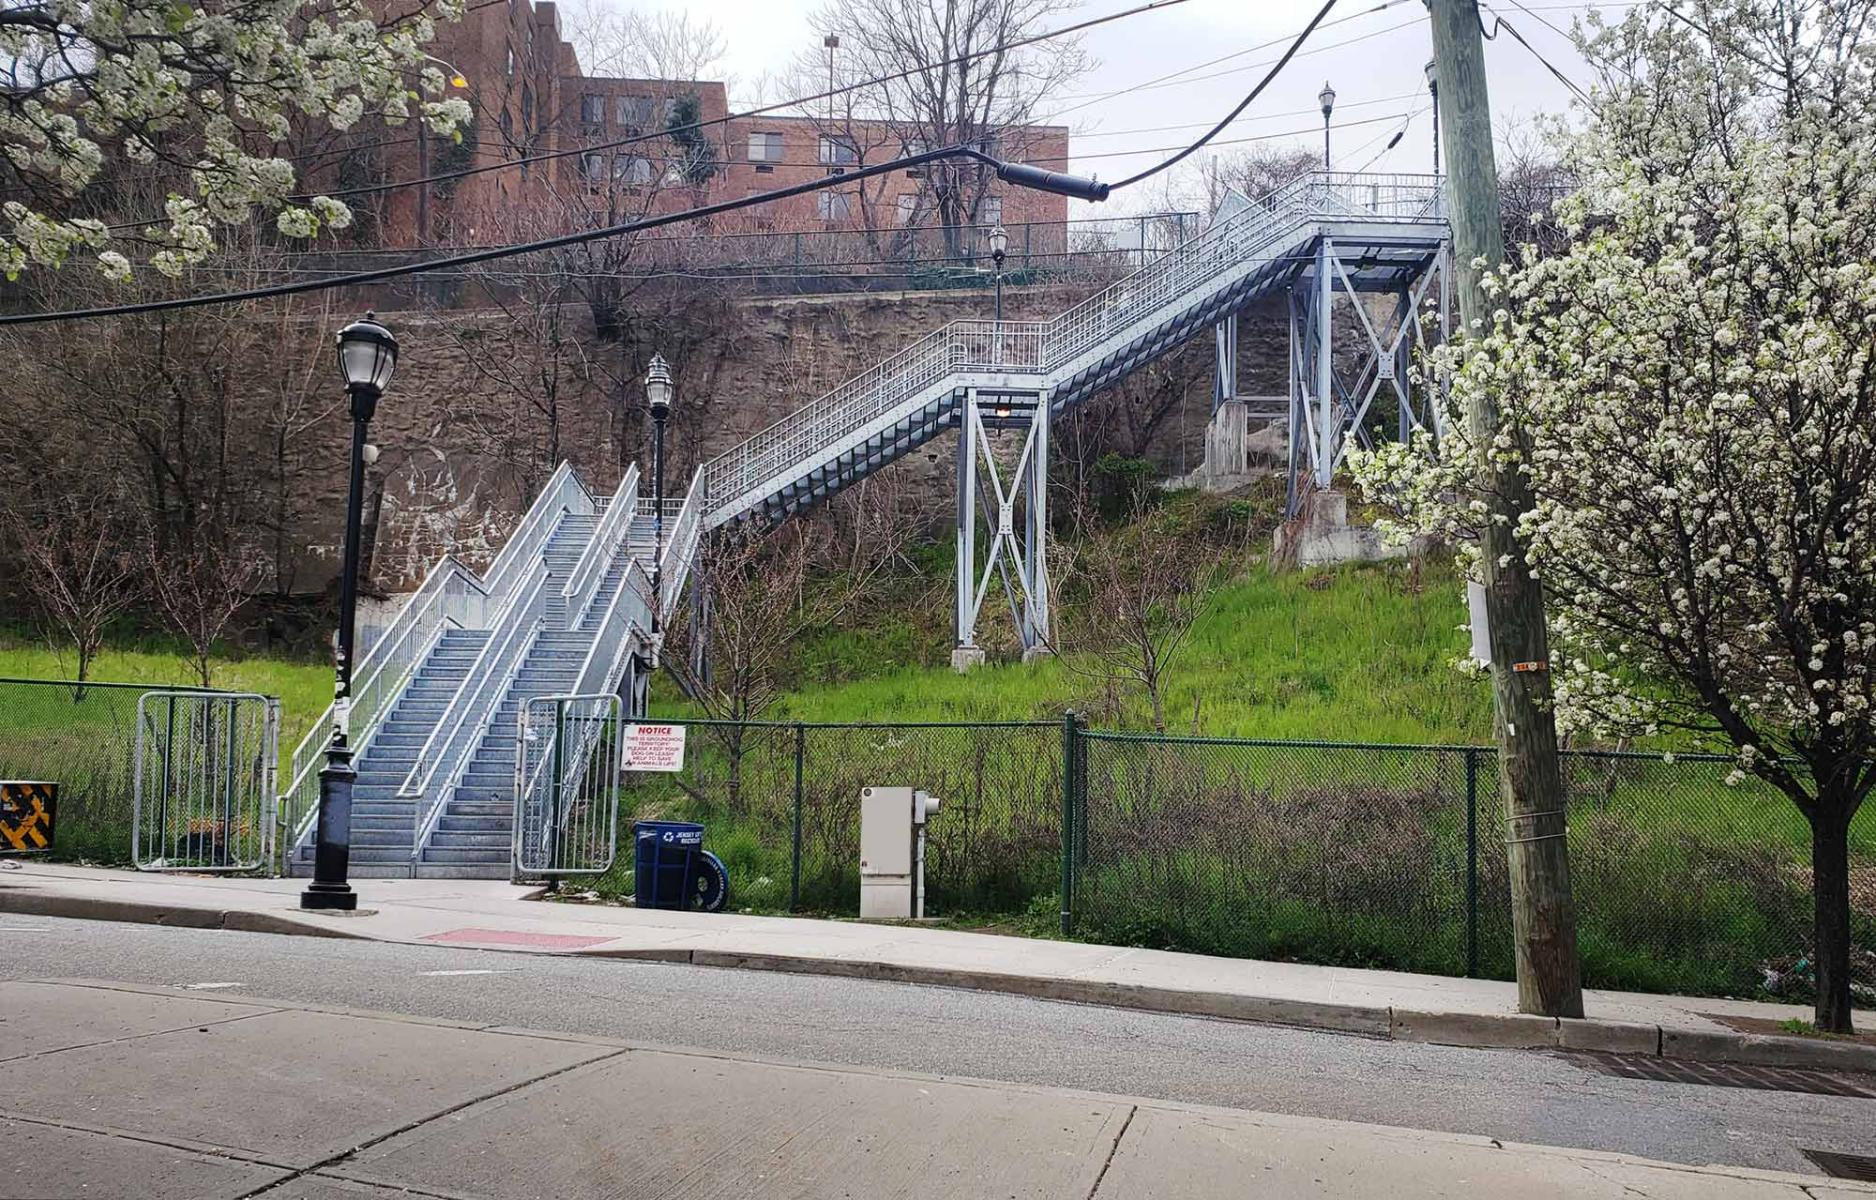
(658, 397)
(999, 250)
(1433, 88)
(1326, 98)
(367, 356)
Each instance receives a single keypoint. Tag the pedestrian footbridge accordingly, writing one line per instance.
(566, 608)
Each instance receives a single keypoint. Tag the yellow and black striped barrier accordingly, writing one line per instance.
(27, 811)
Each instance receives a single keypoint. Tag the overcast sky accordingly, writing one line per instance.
(1375, 60)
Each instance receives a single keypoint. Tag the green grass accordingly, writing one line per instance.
(1360, 654)
(304, 688)
(83, 739)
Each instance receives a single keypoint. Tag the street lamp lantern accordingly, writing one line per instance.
(367, 359)
(658, 388)
(367, 355)
(1326, 98)
(658, 391)
(999, 250)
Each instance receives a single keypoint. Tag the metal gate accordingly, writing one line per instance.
(204, 769)
(567, 785)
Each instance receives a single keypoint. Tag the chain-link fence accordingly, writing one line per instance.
(1393, 856)
(782, 806)
(83, 737)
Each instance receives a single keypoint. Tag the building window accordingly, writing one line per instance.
(631, 170)
(832, 205)
(508, 64)
(527, 109)
(592, 109)
(765, 147)
(908, 208)
(990, 210)
(839, 152)
(635, 111)
(593, 166)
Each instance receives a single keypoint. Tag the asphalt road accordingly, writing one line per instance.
(1512, 1095)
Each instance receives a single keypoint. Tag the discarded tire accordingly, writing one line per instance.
(712, 883)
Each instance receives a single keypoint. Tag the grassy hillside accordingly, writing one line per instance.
(1353, 654)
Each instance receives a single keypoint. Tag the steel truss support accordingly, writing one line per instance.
(1016, 518)
(1224, 362)
(1328, 408)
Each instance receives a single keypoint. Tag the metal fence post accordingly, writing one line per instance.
(1069, 750)
(1472, 863)
(794, 878)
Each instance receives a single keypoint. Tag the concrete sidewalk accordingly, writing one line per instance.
(494, 915)
(113, 1090)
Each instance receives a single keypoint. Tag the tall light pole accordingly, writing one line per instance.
(1433, 89)
(832, 43)
(999, 250)
(658, 399)
(367, 357)
(1326, 98)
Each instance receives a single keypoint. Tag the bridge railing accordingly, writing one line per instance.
(608, 539)
(452, 596)
(682, 532)
(1249, 235)
(452, 743)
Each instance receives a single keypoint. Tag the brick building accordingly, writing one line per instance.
(532, 97)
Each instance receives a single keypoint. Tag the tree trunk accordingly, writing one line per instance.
(1830, 873)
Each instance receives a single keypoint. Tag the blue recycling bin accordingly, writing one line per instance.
(665, 863)
(671, 869)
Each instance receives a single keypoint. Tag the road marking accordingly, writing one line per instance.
(208, 987)
(503, 971)
(25, 928)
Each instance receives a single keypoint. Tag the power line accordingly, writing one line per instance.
(1243, 104)
(1153, 85)
(1499, 23)
(797, 102)
(1015, 172)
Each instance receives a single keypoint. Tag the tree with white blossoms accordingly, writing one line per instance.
(1690, 389)
(200, 90)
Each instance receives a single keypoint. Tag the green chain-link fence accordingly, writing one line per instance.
(1393, 856)
(1372, 855)
(782, 804)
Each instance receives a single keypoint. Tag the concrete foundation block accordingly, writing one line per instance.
(964, 658)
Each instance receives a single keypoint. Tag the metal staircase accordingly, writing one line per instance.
(565, 607)
(1388, 221)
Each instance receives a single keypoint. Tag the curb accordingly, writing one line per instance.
(1497, 1031)
(88, 908)
(1516, 1031)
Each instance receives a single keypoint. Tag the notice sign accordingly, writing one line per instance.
(654, 747)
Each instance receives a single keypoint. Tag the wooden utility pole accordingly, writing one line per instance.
(1543, 914)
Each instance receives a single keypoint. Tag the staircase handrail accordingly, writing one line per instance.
(680, 544)
(519, 612)
(451, 596)
(564, 491)
(474, 710)
(1040, 347)
(601, 672)
(607, 540)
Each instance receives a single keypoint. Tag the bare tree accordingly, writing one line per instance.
(767, 590)
(978, 103)
(199, 585)
(1143, 587)
(76, 565)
